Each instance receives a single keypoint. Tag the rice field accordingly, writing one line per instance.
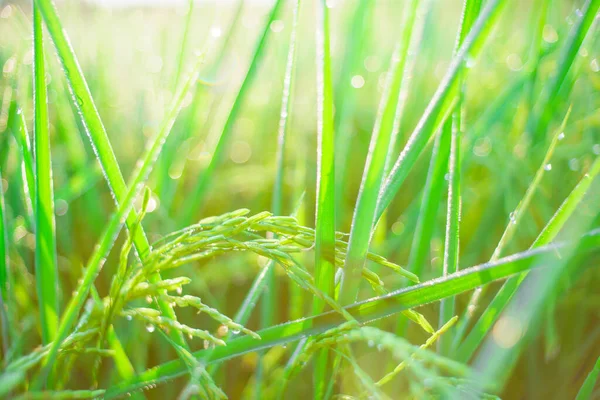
(341, 199)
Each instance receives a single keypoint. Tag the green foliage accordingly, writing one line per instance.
(389, 164)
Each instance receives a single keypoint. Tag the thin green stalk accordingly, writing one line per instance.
(452, 239)
(94, 127)
(100, 141)
(496, 361)
(184, 42)
(365, 311)
(432, 194)
(442, 101)
(124, 208)
(196, 198)
(545, 107)
(510, 287)
(363, 220)
(270, 308)
(515, 219)
(46, 271)
(325, 212)
(451, 246)
(4, 272)
(19, 129)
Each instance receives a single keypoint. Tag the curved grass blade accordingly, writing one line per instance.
(545, 107)
(46, 272)
(4, 272)
(363, 220)
(585, 392)
(124, 208)
(514, 222)
(508, 290)
(197, 196)
(442, 101)
(98, 136)
(496, 360)
(366, 311)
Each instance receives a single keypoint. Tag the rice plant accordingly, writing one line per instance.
(294, 199)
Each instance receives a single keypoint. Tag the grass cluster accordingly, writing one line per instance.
(292, 199)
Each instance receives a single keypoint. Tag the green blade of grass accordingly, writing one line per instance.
(432, 194)
(125, 207)
(269, 300)
(19, 129)
(510, 287)
(269, 305)
(545, 106)
(363, 219)
(4, 281)
(440, 103)
(452, 237)
(99, 138)
(366, 311)
(451, 247)
(514, 222)
(585, 392)
(325, 210)
(197, 197)
(515, 219)
(93, 124)
(522, 318)
(46, 273)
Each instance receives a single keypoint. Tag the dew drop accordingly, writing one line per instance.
(548, 167)
(179, 290)
(128, 317)
(561, 136)
(149, 299)
(513, 217)
(150, 328)
(370, 343)
(235, 331)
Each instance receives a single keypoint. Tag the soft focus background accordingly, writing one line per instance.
(130, 55)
